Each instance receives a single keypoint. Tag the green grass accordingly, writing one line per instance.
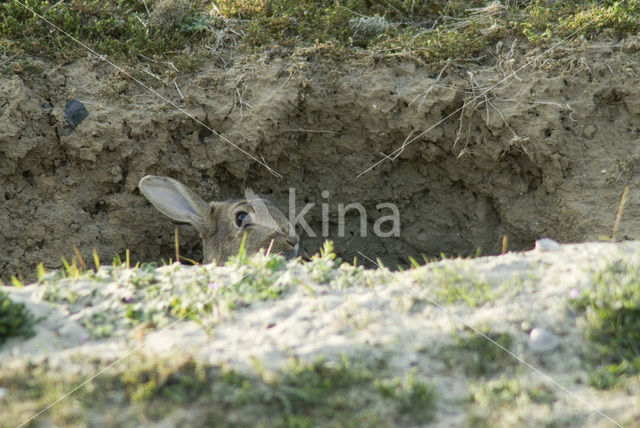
(492, 398)
(112, 27)
(477, 356)
(110, 298)
(507, 391)
(429, 31)
(141, 390)
(453, 285)
(584, 18)
(15, 319)
(415, 399)
(612, 310)
(386, 27)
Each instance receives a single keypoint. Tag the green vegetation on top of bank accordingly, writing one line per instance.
(430, 31)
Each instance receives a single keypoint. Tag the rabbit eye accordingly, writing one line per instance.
(242, 219)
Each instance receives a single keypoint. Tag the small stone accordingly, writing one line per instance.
(3, 392)
(75, 112)
(541, 340)
(547, 244)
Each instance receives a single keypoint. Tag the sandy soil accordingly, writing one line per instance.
(383, 315)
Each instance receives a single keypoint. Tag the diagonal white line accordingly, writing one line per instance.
(150, 89)
(520, 359)
(137, 348)
(482, 94)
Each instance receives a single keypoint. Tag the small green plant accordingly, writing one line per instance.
(242, 257)
(302, 386)
(612, 310)
(323, 264)
(415, 399)
(324, 389)
(508, 392)
(71, 270)
(176, 380)
(494, 401)
(15, 319)
(259, 283)
(455, 286)
(477, 355)
(17, 282)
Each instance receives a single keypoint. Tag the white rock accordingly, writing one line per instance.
(3, 392)
(547, 244)
(541, 340)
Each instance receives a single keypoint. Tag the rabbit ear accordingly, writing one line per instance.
(177, 201)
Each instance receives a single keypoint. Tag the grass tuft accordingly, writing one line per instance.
(612, 309)
(477, 356)
(415, 399)
(15, 319)
(455, 286)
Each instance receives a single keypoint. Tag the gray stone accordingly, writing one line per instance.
(75, 112)
(547, 244)
(541, 340)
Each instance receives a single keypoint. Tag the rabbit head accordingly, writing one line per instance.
(222, 225)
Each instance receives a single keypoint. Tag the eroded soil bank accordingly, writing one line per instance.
(545, 152)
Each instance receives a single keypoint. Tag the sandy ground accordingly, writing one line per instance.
(395, 316)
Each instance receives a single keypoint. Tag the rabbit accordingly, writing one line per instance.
(223, 224)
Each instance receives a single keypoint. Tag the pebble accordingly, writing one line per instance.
(547, 244)
(541, 340)
(75, 112)
(3, 392)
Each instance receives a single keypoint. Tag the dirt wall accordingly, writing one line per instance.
(547, 152)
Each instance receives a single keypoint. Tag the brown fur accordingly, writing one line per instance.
(219, 223)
